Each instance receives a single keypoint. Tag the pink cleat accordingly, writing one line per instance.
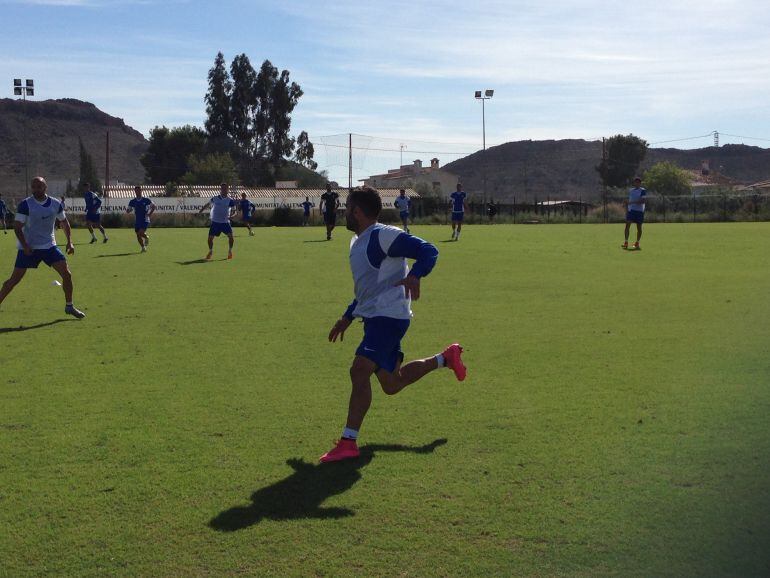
(344, 450)
(454, 362)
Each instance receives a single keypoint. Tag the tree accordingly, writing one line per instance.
(305, 151)
(284, 98)
(242, 103)
(167, 156)
(624, 155)
(667, 179)
(87, 169)
(210, 169)
(218, 125)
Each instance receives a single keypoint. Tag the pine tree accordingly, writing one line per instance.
(242, 103)
(87, 169)
(218, 125)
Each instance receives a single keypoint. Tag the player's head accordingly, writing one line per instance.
(459, 187)
(637, 181)
(224, 189)
(138, 191)
(243, 196)
(39, 186)
(363, 205)
(328, 187)
(307, 199)
(86, 187)
(403, 192)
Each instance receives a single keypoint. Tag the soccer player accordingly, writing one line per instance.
(384, 290)
(306, 206)
(143, 209)
(247, 208)
(402, 203)
(330, 202)
(3, 212)
(458, 211)
(34, 225)
(222, 209)
(93, 212)
(635, 211)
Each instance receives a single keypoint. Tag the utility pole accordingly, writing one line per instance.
(24, 91)
(488, 93)
(604, 177)
(107, 169)
(401, 147)
(350, 161)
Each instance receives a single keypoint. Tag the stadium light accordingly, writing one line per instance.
(28, 89)
(488, 93)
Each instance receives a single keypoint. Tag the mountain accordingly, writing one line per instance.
(564, 169)
(52, 129)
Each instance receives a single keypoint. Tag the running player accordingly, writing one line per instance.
(635, 211)
(402, 203)
(93, 212)
(306, 206)
(3, 214)
(143, 209)
(384, 290)
(330, 202)
(458, 211)
(222, 209)
(34, 225)
(247, 209)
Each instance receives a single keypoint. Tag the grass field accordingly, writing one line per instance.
(614, 420)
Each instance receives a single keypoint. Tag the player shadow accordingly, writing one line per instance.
(300, 495)
(317, 241)
(116, 255)
(197, 261)
(27, 328)
(447, 241)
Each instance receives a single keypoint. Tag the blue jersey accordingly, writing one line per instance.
(634, 196)
(141, 206)
(93, 202)
(246, 208)
(402, 204)
(3, 208)
(306, 207)
(38, 219)
(458, 202)
(220, 209)
(378, 261)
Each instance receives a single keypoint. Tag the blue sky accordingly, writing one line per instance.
(405, 72)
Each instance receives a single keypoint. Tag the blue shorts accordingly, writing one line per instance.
(382, 341)
(47, 256)
(457, 216)
(404, 215)
(635, 217)
(141, 226)
(217, 228)
(94, 217)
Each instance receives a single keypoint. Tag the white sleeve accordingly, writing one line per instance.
(387, 236)
(20, 217)
(61, 216)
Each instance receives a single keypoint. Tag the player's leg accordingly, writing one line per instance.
(231, 242)
(66, 279)
(459, 228)
(398, 379)
(140, 238)
(90, 226)
(625, 233)
(104, 233)
(638, 232)
(16, 276)
(211, 246)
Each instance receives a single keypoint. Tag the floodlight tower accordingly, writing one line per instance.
(488, 93)
(28, 89)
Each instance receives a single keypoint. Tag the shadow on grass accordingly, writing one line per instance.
(197, 261)
(317, 241)
(447, 241)
(117, 255)
(301, 494)
(28, 327)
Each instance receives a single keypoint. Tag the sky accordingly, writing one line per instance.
(403, 74)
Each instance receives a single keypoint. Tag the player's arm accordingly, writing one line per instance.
(152, 209)
(129, 208)
(18, 228)
(65, 226)
(424, 254)
(204, 207)
(338, 330)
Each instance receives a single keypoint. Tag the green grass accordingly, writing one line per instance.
(614, 420)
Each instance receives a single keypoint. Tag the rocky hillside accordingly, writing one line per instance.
(53, 128)
(564, 169)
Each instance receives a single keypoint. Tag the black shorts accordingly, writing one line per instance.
(330, 218)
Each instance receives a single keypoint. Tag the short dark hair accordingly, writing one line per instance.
(86, 185)
(367, 199)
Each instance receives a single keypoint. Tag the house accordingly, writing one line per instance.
(438, 181)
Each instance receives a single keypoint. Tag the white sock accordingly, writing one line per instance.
(440, 360)
(351, 434)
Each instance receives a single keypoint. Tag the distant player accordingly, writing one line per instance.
(402, 203)
(93, 212)
(3, 214)
(222, 209)
(247, 209)
(635, 211)
(306, 206)
(384, 289)
(34, 225)
(330, 202)
(458, 211)
(143, 209)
